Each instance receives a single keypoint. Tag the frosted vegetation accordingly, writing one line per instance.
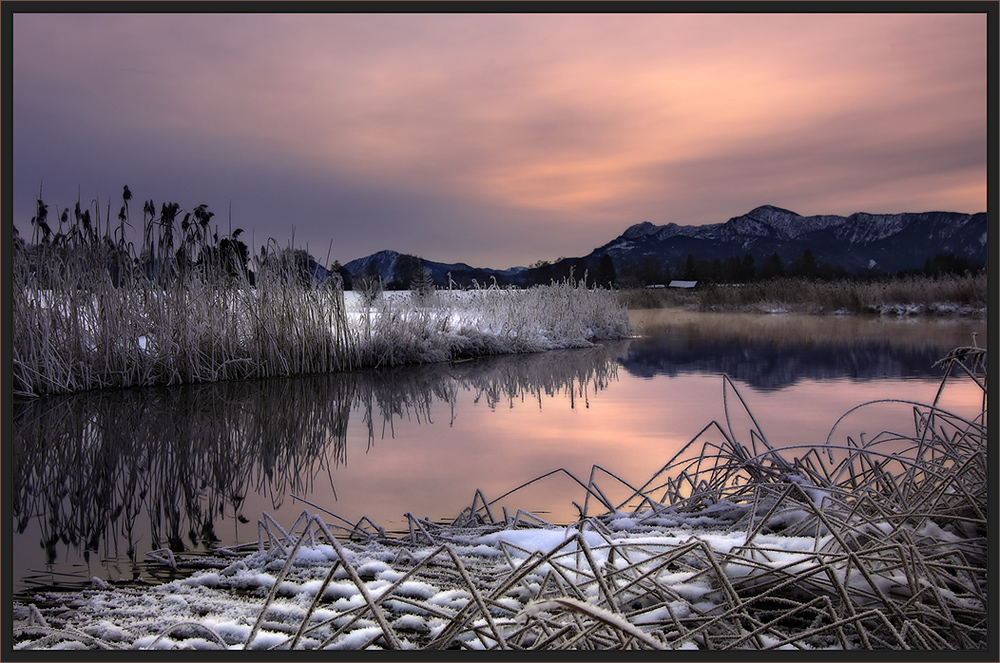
(878, 542)
(85, 318)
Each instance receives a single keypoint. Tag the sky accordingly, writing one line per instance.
(495, 139)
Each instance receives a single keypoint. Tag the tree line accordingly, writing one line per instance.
(651, 270)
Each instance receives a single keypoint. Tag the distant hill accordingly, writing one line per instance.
(860, 242)
(384, 264)
(890, 242)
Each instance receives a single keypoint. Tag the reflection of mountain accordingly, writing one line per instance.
(140, 469)
(767, 365)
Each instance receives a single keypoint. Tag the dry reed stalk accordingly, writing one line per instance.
(77, 330)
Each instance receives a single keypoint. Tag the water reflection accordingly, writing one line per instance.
(101, 478)
(774, 352)
(93, 472)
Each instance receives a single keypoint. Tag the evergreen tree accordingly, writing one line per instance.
(772, 267)
(406, 269)
(748, 270)
(804, 265)
(690, 269)
(345, 275)
(946, 263)
(542, 272)
(606, 276)
(422, 284)
(667, 274)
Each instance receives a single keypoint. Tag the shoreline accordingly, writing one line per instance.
(910, 296)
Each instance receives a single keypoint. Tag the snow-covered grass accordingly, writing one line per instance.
(404, 328)
(875, 543)
(76, 329)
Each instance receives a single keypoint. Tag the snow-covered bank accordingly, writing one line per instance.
(76, 339)
(480, 588)
(405, 328)
(874, 544)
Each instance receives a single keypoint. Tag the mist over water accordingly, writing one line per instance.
(101, 478)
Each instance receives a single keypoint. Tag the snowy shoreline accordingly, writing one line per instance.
(418, 591)
(728, 545)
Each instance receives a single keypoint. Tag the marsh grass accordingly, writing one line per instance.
(732, 544)
(76, 328)
(901, 295)
(85, 317)
(446, 325)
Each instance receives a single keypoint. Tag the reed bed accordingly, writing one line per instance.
(849, 544)
(946, 295)
(489, 321)
(76, 328)
(80, 325)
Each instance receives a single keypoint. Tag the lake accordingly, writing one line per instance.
(101, 478)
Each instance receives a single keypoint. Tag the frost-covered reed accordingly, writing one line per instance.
(407, 329)
(876, 544)
(79, 324)
(84, 317)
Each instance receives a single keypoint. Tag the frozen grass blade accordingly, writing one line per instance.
(614, 620)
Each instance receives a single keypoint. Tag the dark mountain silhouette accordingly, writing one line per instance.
(383, 264)
(857, 243)
(889, 242)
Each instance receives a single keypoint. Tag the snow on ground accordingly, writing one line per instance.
(471, 587)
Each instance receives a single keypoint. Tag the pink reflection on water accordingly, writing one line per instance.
(631, 429)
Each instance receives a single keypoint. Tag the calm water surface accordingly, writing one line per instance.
(102, 478)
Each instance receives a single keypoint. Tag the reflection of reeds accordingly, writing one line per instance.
(85, 467)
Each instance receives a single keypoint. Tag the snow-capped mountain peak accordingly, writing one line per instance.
(893, 241)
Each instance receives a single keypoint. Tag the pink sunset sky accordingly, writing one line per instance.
(496, 139)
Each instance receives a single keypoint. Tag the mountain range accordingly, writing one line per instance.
(384, 263)
(860, 242)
